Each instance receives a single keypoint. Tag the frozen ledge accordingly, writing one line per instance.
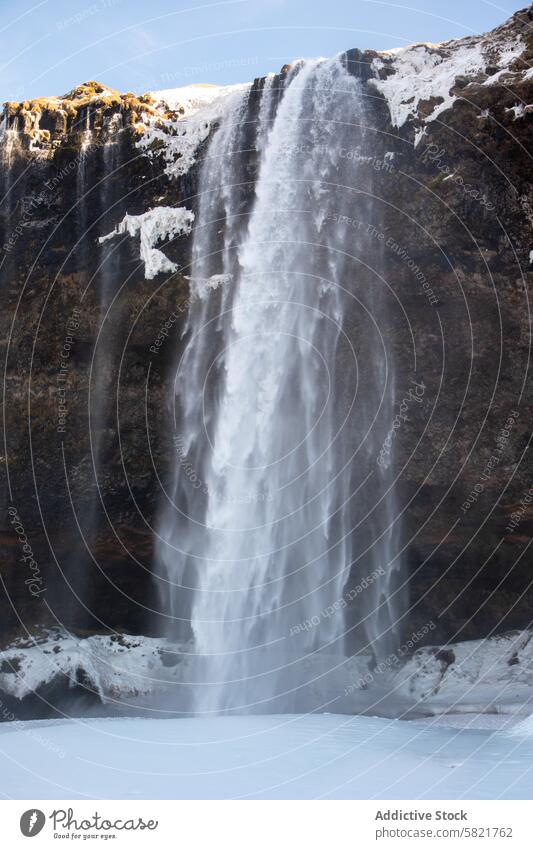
(152, 227)
(112, 667)
(492, 676)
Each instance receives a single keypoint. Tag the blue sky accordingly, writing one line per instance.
(49, 46)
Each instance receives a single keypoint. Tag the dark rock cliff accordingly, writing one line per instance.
(89, 343)
(78, 320)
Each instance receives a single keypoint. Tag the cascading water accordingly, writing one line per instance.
(277, 409)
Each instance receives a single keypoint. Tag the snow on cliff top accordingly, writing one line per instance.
(422, 71)
(405, 76)
(190, 98)
(178, 139)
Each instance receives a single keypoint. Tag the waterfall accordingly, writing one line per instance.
(279, 408)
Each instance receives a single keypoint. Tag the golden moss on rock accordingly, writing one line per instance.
(44, 122)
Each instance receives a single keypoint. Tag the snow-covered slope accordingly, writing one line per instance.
(189, 99)
(440, 73)
(193, 111)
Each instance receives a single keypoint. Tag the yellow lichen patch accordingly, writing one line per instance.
(89, 101)
(43, 104)
(41, 136)
(90, 94)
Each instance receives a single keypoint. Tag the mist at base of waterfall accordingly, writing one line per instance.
(281, 682)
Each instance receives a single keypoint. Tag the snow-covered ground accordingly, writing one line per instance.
(262, 757)
(468, 738)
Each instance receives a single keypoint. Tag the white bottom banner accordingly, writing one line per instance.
(268, 824)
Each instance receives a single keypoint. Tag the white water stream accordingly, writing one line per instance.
(274, 409)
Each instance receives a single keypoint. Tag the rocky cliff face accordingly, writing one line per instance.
(91, 328)
(459, 208)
